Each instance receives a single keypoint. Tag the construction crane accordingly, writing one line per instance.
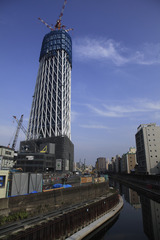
(17, 132)
(23, 129)
(25, 132)
(58, 24)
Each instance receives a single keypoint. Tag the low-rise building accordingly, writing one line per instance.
(6, 158)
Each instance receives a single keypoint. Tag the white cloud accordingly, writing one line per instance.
(95, 126)
(74, 115)
(137, 106)
(100, 49)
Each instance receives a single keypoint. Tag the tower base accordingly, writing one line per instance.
(53, 154)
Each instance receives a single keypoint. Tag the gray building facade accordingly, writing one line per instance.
(55, 154)
(148, 148)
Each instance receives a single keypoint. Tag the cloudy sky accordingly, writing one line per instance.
(115, 74)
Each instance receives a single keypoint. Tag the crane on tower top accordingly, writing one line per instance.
(58, 24)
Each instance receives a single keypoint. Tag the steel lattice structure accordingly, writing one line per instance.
(51, 107)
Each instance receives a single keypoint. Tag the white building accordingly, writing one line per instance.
(148, 148)
(6, 158)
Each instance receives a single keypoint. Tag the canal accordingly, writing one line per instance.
(139, 218)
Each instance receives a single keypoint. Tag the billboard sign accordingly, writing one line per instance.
(44, 148)
(86, 179)
(66, 164)
(58, 164)
(30, 157)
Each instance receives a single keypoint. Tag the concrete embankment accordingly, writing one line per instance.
(98, 223)
(47, 201)
(68, 221)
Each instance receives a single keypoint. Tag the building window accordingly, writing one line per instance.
(7, 153)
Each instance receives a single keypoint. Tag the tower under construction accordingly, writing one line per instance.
(48, 142)
(51, 106)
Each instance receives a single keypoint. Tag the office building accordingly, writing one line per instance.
(148, 148)
(101, 164)
(129, 161)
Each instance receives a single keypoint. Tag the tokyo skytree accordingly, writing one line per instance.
(51, 106)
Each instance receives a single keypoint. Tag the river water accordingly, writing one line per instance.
(138, 220)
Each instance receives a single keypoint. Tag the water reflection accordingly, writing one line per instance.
(149, 208)
(151, 218)
(139, 218)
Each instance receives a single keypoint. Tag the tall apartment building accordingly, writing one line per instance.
(128, 161)
(148, 148)
(101, 164)
(117, 164)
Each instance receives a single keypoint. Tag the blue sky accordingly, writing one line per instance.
(115, 74)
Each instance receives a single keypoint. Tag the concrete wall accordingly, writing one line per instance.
(47, 201)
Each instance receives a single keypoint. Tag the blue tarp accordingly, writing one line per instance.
(34, 192)
(67, 185)
(57, 185)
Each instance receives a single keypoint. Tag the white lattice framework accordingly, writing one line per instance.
(51, 106)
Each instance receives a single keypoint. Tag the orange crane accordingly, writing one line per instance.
(58, 24)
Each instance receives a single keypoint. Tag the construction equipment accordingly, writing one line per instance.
(23, 129)
(17, 132)
(58, 24)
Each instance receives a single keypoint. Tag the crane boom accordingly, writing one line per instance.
(22, 127)
(58, 22)
(46, 24)
(17, 132)
(61, 14)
